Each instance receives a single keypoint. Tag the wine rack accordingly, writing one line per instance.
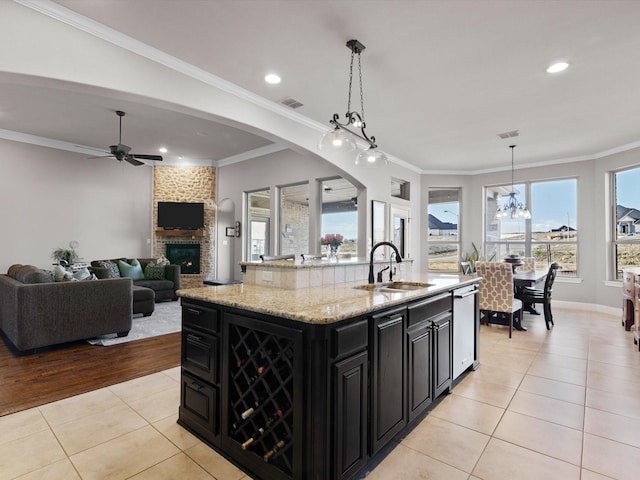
(261, 400)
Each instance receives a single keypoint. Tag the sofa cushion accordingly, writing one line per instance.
(60, 274)
(154, 271)
(132, 270)
(155, 285)
(13, 269)
(31, 274)
(112, 270)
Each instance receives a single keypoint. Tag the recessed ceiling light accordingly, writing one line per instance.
(162, 150)
(272, 78)
(558, 67)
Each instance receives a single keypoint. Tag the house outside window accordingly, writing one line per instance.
(443, 237)
(625, 226)
(551, 235)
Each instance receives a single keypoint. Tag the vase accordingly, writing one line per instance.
(333, 252)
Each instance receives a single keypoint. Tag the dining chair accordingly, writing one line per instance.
(532, 295)
(496, 293)
(528, 264)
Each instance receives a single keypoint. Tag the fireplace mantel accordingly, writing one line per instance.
(180, 233)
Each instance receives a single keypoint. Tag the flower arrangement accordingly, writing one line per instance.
(334, 240)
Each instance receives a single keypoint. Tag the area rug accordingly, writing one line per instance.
(166, 318)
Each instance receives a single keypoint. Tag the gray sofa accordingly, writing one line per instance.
(164, 288)
(37, 312)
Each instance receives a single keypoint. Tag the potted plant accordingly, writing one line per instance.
(66, 256)
(474, 257)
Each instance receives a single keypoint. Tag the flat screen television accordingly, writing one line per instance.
(180, 215)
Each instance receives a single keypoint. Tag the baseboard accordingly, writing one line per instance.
(590, 307)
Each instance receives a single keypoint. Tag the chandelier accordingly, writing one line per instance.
(341, 136)
(513, 208)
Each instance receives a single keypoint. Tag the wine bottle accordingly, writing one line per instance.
(260, 431)
(256, 374)
(242, 355)
(280, 444)
(235, 426)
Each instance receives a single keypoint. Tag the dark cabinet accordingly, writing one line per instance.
(419, 369)
(429, 351)
(388, 378)
(289, 400)
(442, 341)
(199, 390)
(350, 378)
(199, 407)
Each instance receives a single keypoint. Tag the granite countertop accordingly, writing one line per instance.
(322, 305)
(319, 262)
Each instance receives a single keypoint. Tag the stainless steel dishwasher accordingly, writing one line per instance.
(464, 306)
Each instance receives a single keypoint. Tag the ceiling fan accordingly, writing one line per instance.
(121, 152)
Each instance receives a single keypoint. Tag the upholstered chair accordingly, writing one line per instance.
(528, 265)
(496, 292)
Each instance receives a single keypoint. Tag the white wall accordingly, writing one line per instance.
(50, 197)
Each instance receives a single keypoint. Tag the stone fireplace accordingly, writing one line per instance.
(187, 255)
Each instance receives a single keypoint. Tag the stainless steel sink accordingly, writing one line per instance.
(400, 286)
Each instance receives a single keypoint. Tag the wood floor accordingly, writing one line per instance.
(56, 373)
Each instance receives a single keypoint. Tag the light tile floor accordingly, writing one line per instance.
(563, 404)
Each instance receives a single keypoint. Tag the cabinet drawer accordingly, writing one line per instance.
(197, 316)
(200, 354)
(199, 406)
(429, 308)
(349, 339)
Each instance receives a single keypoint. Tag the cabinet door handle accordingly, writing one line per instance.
(463, 295)
(195, 312)
(438, 326)
(191, 336)
(195, 386)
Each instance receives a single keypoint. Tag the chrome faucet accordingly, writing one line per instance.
(379, 244)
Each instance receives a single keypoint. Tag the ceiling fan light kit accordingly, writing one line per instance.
(341, 136)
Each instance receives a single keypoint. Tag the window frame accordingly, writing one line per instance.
(614, 241)
(458, 236)
(527, 245)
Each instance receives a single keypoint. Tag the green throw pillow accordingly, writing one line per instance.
(132, 270)
(154, 272)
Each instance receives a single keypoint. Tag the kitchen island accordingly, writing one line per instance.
(313, 383)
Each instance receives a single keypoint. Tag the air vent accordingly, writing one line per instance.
(505, 135)
(291, 102)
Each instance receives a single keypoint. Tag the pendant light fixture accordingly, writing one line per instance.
(513, 209)
(342, 137)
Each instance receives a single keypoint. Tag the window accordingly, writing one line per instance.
(340, 214)
(294, 219)
(259, 215)
(444, 235)
(551, 235)
(626, 221)
(400, 189)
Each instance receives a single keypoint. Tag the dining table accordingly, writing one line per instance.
(528, 279)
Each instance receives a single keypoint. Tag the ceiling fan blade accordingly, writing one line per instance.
(99, 156)
(133, 161)
(148, 157)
